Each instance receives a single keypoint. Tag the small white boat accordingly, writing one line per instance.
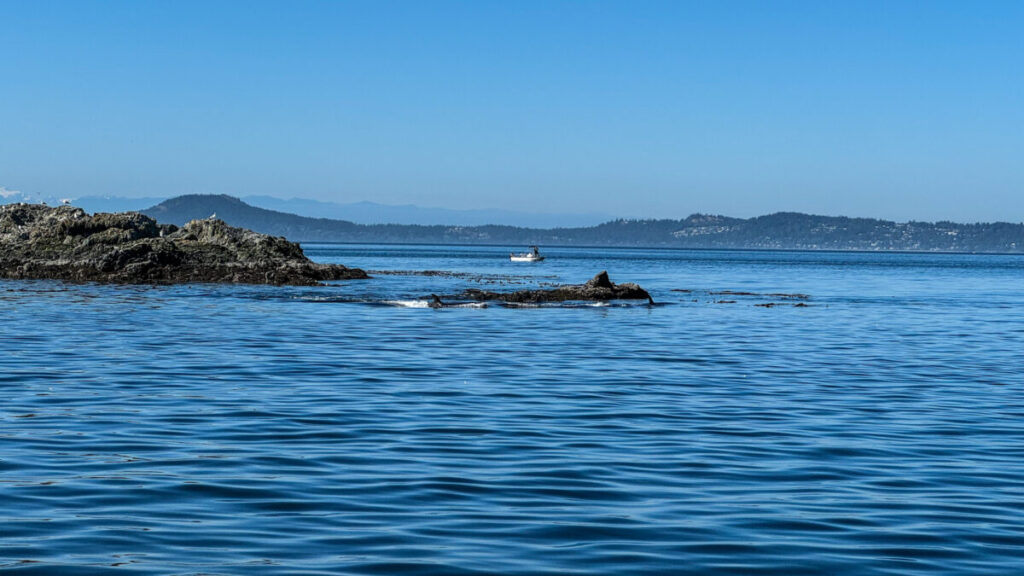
(532, 256)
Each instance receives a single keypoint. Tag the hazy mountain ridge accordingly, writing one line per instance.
(374, 213)
(90, 204)
(782, 230)
(358, 212)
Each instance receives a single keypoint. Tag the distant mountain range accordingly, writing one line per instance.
(313, 221)
(358, 212)
(783, 230)
(373, 213)
(88, 203)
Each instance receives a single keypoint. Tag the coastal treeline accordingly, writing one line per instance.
(782, 230)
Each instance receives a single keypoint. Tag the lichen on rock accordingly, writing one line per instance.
(597, 289)
(66, 243)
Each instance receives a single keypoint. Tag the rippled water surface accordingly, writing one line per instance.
(346, 430)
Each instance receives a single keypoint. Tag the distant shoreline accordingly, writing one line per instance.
(305, 243)
(787, 231)
(781, 231)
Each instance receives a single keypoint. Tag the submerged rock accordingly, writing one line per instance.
(599, 288)
(66, 243)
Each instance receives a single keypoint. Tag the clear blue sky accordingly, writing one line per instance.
(903, 110)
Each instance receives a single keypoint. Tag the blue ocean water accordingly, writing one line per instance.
(347, 430)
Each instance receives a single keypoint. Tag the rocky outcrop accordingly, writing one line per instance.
(599, 289)
(66, 243)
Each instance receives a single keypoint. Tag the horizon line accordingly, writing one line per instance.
(6, 193)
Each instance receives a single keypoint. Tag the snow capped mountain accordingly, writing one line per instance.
(8, 196)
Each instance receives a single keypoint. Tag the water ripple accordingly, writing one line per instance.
(252, 430)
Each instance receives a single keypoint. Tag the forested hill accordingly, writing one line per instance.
(783, 230)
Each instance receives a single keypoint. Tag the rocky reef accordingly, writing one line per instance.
(66, 243)
(597, 289)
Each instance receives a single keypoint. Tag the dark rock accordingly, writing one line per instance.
(599, 288)
(791, 296)
(66, 243)
(599, 281)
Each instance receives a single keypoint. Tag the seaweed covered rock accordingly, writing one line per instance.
(66, 243)
(597, 289)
